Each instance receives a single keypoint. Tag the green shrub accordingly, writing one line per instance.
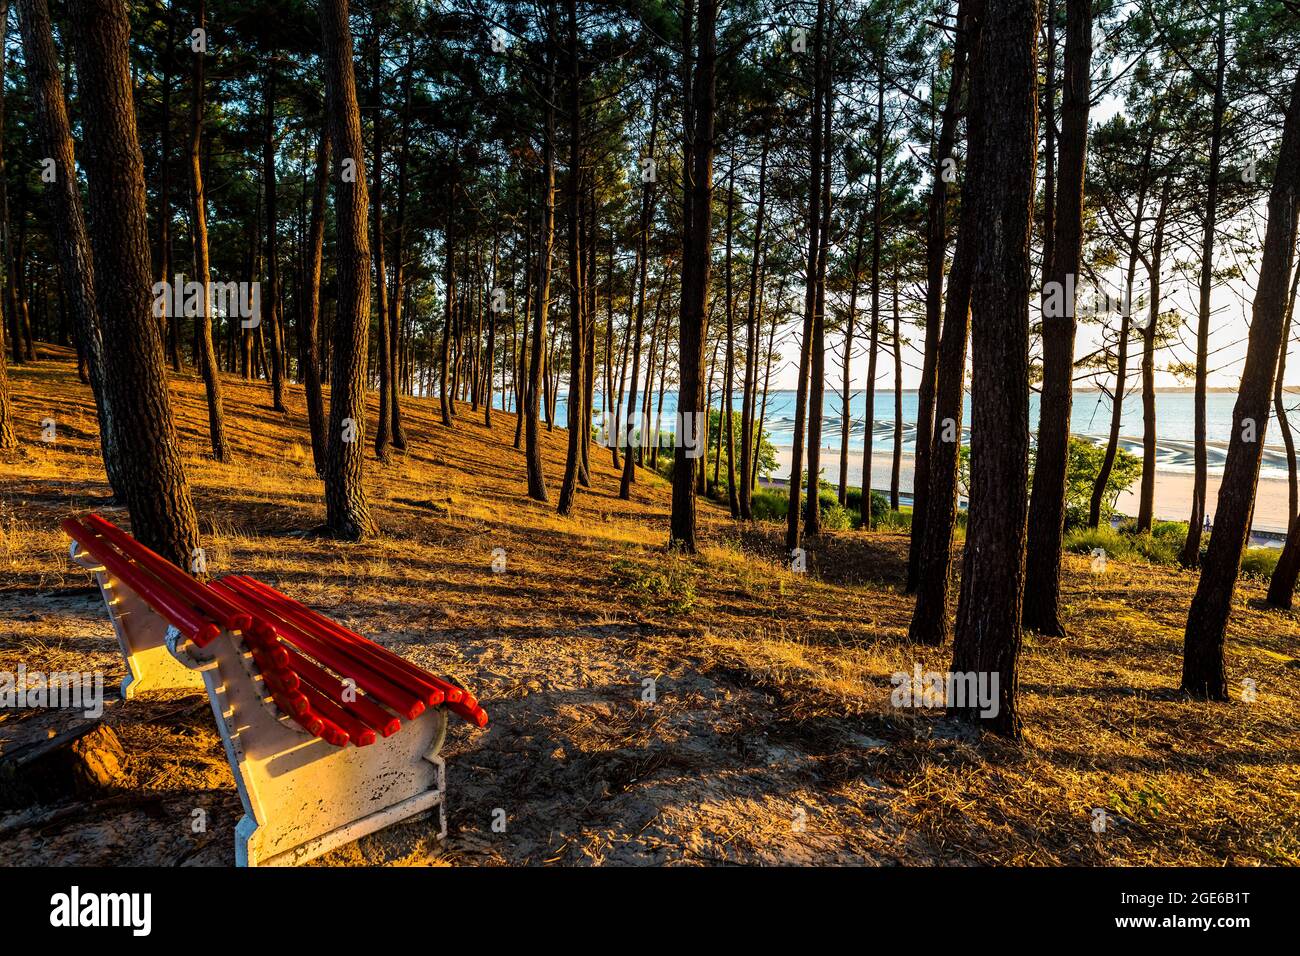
(769, 505)
(1160, 546)
(1260, 562)
(835, 518)
(1082, 468)
(1155, 550)
(670, 589)
(1087, 540)
(879, 504)
(896, 521)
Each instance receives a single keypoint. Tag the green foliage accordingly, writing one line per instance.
(1140, 804)
(1123, 544)
(670, 590)
(1161, 545)
(1260, 562)
(769, 505)
(879, 504)
(1083, 465)
(766, 450)
(1083, 468)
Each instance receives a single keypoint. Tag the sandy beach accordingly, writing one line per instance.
(1173, 496)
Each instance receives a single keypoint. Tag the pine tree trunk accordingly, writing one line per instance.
(7, 437)
(767, 367)
(936, 250)
(490, 360)
(577, 330)
(1281, 585)
(642, 272)
(1147, 494)
(846, 424)
(75, 265)
(895, 472)
(347, 507)
(310, 333)
(692, 329)
(1279, 403)
(207, 358)
(729, 366)
(1003, 145)
(869, 420)
(272, 256)
(934, 573)
(1190, 555)
(532, 440)
(446, 398)
(1203, 643)
(171, 322)
(384, 424)
(817, 371)
(138, 410)
(747, 437)
(792, 532)
(1042, 611)
(396, 294)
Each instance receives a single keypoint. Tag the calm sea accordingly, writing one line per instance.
(1090, 418)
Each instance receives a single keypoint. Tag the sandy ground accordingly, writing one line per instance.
(1173, 489)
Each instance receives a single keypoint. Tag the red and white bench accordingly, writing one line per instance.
(329, 735)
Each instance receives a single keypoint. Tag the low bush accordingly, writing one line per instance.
(1260, 562)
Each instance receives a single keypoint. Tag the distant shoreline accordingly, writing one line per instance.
(1129, 394)
(1173, 491)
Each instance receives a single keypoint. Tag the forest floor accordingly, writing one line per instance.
(771, 738)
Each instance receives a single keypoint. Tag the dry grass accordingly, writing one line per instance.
(771, 739)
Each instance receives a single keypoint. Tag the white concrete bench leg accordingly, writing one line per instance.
(302, 797)
(141, 634)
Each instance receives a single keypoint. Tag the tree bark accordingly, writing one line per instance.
(384, 426)
(1042, 608)
(846, 398)
(577, 329)
(207, 356)
(694, 316)
(532, 446)
(1203, 643)
(272, 297)
(747, 436)
(792, 532)
(310, 333)
(929, 623)
(1190, 555)
(347, 507)
(936, 251)
(895, 471)
(396, 295)
(817, 378)
(1281, 585)
(873, 349)
(1003, 143)
(725, 424)
(75, 265)
(172, 322)
(446, 398)
(1147, 494)
(138, 407)
(642, 270)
